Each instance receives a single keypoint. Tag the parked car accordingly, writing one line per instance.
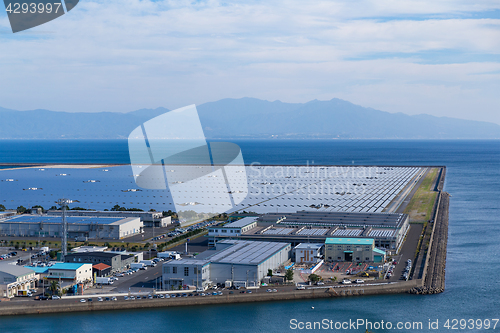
(83, 300)
(359, 281)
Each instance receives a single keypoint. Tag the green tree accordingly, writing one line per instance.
(289, 275)
(54, 287)
(21, 209)
(270, 272)
(314, 277)
(2, 208)
(52, 254)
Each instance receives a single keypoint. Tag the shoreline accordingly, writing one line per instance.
(430, 281)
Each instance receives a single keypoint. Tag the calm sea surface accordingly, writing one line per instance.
(473, 265)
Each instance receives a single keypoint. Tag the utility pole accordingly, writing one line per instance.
(63, 203)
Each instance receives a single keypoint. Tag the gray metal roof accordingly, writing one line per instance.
(241, 223)
(15, 270)
(383, 220)
(246, 252)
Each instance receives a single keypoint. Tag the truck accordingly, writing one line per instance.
(44, 249)
(149, 263)
(175, 256)
(24, 293)
(137, 265)
(104, 280)
(165, 254)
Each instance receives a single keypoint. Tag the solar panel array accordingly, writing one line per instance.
(381, 233)
(347, 232)
(267, 188)
(278, 231)
(312, 232)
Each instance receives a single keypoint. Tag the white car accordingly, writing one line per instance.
(82, 300)
(359, 281)
(346, 281)
(301, 288)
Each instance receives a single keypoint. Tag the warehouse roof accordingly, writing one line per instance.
(350, 241)
(314, 246)
(38, 270)
(16, 270)
(70, 219)
(93, 254)
(101, 266)
(381, 220)
(246, 252)
(241, 223)
(66, 266)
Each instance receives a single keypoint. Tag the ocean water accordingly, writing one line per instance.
(473, 264)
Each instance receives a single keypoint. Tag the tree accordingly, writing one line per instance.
(270, 272)
(314, 277)
(2, 208)
(52, 254)
(21, 209)
(54, 287)
(289, 275)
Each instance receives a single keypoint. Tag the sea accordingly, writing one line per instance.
(470, 302)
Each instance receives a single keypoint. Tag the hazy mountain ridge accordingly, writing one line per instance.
(252, 118)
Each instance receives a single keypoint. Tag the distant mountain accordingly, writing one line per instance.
(252, 118)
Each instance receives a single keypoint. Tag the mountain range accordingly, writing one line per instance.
(252, 118)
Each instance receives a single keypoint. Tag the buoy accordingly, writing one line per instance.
(312, 307)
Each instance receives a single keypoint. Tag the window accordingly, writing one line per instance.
(174, 270)
(367, 259)
(195, 270)
(167, 269)
(186, 271)
(339, 258)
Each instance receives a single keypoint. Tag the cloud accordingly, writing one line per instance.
(411, 56)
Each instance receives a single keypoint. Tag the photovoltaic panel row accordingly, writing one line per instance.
(381, 233)
(347, 232)
(312, 232)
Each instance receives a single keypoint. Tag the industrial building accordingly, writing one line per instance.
(352, 249)
(231, 229)
(148, 218)
(242, 263)
(79, 228)
(387, 230)
(14, 278)
(117, 262)
(307, 253)
(70, 273)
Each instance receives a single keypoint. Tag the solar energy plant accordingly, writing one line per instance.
(260, 189)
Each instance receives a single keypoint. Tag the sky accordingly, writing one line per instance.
(418, 56)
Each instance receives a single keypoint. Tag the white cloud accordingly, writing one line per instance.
(128, 54)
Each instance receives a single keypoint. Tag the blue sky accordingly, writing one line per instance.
(435, 57)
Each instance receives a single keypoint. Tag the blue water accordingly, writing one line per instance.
(472, 271)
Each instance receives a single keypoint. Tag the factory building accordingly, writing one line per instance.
(70, 273)
(231, 262)
(15, 278)
(352, 250)
(308, 253)
(79, 228)
(117, 262)
(148, 218)
(231, 229)
(386, 229)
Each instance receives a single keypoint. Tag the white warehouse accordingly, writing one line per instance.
(243, 263)
(78, 227)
